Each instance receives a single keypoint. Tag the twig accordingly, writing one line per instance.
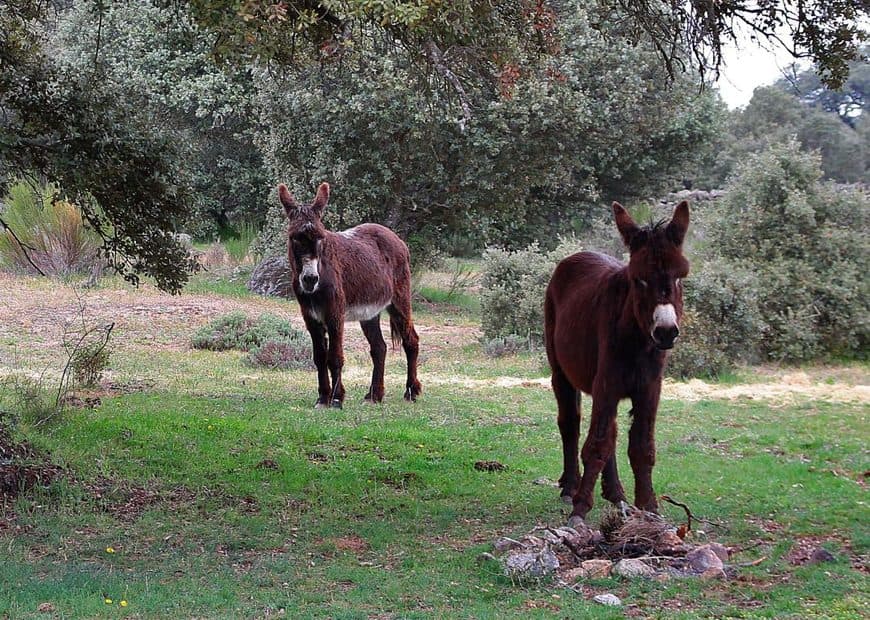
(667, 498)
(24, 247)
(689, 515)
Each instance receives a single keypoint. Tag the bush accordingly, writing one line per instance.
(89, 362)
(52, 232)
(282, 354)
(508, 345)
(807, 244)
(721, 321)
(512, 291)
(237, 331)
(270, 341)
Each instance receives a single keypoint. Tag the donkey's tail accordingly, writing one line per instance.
(395, 332)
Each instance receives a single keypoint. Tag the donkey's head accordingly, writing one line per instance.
(655, 269)
(305, 235)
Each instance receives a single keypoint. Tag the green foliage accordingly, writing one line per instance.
(505, 345)
(721, 320)
(239, 244)
(512, 291)
(237, 331)
(821, 119)
(270, 341)
(162, 64)
(530, 163)
(282, 354)
(88, 363)
(807, 245)
(45, 235)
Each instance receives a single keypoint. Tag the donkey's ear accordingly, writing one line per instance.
(321, 198)
(627, 228)
(287, 200)
(679, 224)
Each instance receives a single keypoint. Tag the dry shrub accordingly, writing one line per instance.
(46, 235)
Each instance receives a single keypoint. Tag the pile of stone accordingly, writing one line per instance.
(637, 545)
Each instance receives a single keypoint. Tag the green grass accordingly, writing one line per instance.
(225, 494)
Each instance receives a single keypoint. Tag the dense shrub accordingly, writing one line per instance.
(807, 244)
(506, 345)
(88, 363)
(282, 354)
(270, 341)
(721, 321)
(512, 290)
(52, 234)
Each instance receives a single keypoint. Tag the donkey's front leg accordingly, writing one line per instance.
(642, 445)
(318, 342)
(335, 360)
(597, 450)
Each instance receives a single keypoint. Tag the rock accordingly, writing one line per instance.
(703, 558)
(545, 482)
(720, 550)
(272, 277)
(821, 555)
(573, 575)
(713, 573)
(631, 568)
(595, 569)
(668, 543)
(607, 599)
(45, 608)
(505, 544)
(577, 538)
(550, 537)
(485, 557)
(526, 565)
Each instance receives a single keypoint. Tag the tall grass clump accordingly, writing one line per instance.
(45, 235)
(239, 246)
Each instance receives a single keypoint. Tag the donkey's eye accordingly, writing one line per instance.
(640, 283)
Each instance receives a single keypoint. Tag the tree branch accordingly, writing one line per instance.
(435, 56)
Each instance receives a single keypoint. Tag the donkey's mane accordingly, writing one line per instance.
(652, 230)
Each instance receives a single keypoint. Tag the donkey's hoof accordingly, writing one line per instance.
(320, 404)
(624, 508)
(336, 404)
(567, 499)
(577, 522)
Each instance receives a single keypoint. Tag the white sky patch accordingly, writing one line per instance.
(748, 64)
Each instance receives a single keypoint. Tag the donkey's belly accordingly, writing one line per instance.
(364, 312)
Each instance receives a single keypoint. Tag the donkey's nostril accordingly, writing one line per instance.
(665, 336)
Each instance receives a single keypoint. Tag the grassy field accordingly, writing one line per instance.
(201, 487)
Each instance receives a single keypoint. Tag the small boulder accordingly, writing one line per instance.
(631, 568)
(526, 565)
(720, 550)
(576, 538)
(821, 555)
(505, 544)
(607, 599)
(713, 573)
(703, 558)
(596, 569)
(272, 277)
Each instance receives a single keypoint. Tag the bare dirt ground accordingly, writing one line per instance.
(33, 312)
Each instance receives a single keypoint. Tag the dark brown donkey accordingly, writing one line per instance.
(608, 327)
(353, 275)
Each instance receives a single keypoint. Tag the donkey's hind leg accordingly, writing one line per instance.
(402, 328)
(568, 403)
(378, 349)
(611, 487)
